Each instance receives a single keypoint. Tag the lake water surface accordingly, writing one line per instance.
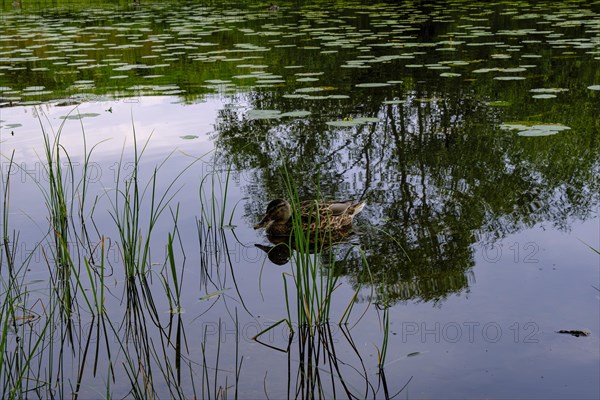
(471, 129)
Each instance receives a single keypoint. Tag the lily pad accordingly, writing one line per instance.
(38, 93)
(364, 120)
(509, 78)
(310, 89)
(512, 70)
(297, 114)
(310, 97)
(484, 70)
(543, 130)
(352, 121)
(535, 129)
(536, 132)
(548, 90)
(499, 103)
(292, 96)
(449, 75)
(34, 88)
(372, 84)
(269, 81)
(217, 81)
(309, 73)
(79, 116)
(512, 127)
(264, 114)
(189, 137)
(343, 123)
(355, 66)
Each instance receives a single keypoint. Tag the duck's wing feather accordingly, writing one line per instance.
(331, 208)
(339, 207)
(309, 209)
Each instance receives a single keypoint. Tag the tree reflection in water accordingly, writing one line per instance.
(437, 175)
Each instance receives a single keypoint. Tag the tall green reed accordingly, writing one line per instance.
(65, 189)
(213, 194)
(9, 246)
(313, 284)
(215, 230)
(136, 208)
(77, 265)
(59, 196)
(212, 375)
(23, 333)
(76, 270)
(312, 266)
(171, 280)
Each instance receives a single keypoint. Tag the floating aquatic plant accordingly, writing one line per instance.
(524, 129)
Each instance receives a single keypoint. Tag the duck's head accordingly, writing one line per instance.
(278, 212)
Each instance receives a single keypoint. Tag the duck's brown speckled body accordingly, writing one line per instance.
(328, 216)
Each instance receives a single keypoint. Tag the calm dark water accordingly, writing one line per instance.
(470, 129)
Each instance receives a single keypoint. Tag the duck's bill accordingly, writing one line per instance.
(262, 223)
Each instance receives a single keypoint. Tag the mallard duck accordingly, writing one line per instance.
(330, 216)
